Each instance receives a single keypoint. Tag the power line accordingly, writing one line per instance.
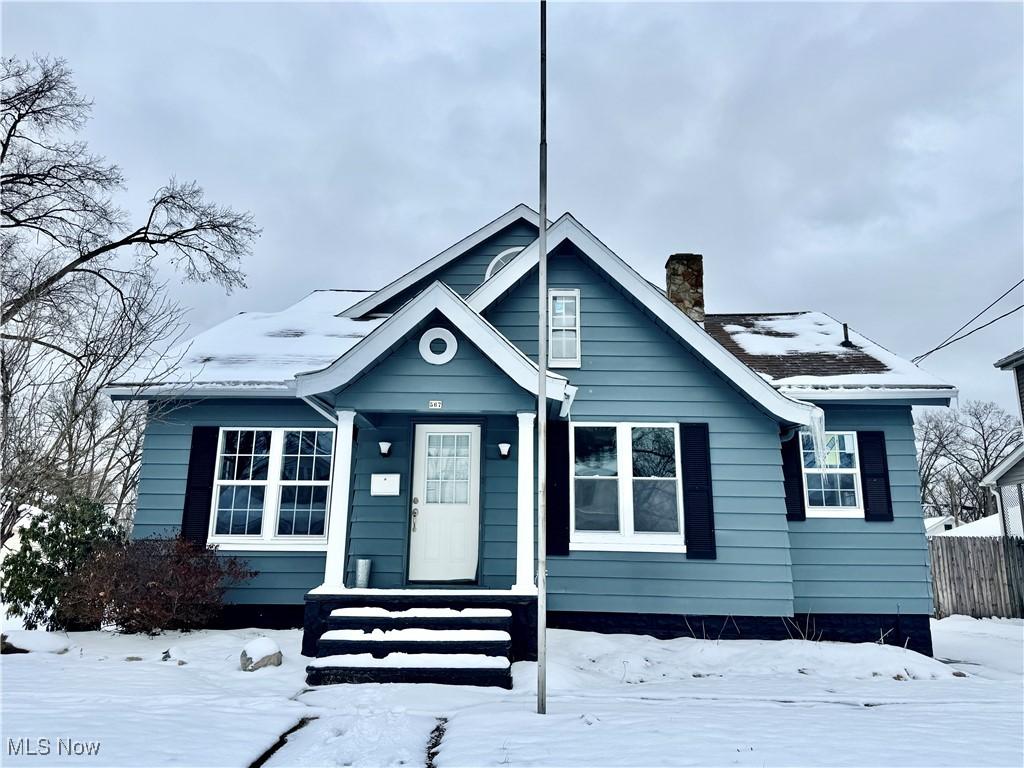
(919, 358)
(948, 342)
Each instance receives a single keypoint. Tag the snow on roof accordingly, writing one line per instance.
(805, 349)
(987, 526)
(260, 348)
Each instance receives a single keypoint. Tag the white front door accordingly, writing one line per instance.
(445, 525)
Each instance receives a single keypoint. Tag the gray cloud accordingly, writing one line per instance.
(862, 160)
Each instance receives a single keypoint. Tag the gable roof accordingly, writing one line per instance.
(445, 257)
(568, 228)
(1004, 466)
(804, 355)
(1012, 360)
(256, 352)
(502, 352)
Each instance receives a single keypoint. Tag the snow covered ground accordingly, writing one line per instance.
(613, 700)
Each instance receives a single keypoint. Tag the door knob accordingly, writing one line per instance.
(415, 500)
(415, 514)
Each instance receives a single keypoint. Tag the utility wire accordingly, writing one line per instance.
(919, 358)
(948, 342)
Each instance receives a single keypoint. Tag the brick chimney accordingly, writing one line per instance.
(684, 283)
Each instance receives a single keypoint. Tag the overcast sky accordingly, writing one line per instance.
(865, 161)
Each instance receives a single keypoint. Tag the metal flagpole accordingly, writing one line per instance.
(542, 365)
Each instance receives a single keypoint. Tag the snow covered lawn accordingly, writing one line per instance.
(614, 700)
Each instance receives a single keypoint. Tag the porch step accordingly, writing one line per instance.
(428, 644)
(424, 618)
(444, 669)
(415, 640)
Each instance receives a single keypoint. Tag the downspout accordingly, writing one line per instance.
(994, 490)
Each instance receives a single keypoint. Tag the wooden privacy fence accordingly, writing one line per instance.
(978, 577)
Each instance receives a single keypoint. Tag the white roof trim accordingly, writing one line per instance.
(566, 227)
(370, 303)
(192, 391)
(816, 393)
(520, 368)
(1004, 466)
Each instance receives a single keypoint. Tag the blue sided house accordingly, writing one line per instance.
(372, 455)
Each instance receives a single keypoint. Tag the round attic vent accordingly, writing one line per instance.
(438, 346)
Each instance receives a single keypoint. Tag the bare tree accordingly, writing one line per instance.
(957, 448)
(81, 304)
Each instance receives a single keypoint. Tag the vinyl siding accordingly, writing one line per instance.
(379, 525)
(464, 274)
(634, 370)
(1014, 475)
(403, 381)
(284, 577)
(853, 566)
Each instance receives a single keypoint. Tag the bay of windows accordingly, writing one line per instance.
(627, 486)
(271, 484)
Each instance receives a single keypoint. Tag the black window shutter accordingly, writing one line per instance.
(793, 479)
(698, 497)
(558, 488)
(202, 461)
(874, 476)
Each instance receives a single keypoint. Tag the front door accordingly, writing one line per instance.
(445, 525)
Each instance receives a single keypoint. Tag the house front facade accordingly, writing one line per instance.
(372, 455)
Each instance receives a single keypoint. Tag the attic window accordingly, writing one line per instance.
(500, 261)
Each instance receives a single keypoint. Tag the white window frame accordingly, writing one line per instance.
(491, 268)
(625, 539)
(269, 539)
(833, 512)
(564, 362)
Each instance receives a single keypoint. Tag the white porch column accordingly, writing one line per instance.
(341, 484)
(524, 504)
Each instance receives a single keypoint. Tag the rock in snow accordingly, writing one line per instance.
(259, 653)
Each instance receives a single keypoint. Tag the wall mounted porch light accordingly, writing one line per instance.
(504, 449)
(385, 448)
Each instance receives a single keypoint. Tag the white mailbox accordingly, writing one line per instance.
(385, 485)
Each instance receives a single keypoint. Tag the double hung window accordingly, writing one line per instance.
(271, 486)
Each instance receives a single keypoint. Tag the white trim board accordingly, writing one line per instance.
(502, 352)
(184, 390)
(824, 392)
(327, 589)
(567, 228)
(445, 257)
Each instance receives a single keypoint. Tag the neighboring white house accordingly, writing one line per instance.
(1006, 480)
(987, 526)
(936, 525)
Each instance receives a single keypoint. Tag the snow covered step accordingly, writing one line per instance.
(423, 613)
(415, 633)
(445, 669)
(413, 661)
(381, 643)
(368, 618)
